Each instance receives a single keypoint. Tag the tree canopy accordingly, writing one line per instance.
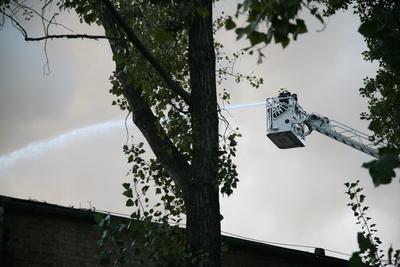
(380, 27)
(165, 77)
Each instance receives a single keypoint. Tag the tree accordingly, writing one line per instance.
(165, 77)
(380, 26)
(369, 253)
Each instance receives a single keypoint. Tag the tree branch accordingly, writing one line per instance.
(42, 17)
(52, 36)
(67, 36)
(134, 39)
(17, 24)
(166, 152)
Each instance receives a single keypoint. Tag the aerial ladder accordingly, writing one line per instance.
(288, 125)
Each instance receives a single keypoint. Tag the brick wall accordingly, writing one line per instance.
(40, 240)
(261, 255)
(38, 234)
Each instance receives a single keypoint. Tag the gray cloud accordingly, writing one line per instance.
(34, 106)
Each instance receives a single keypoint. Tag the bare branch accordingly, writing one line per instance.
(134, 39)
(46, 23)
(46, 32)
(67, 36)
(42, 17)
(52, 36)
(18, 26)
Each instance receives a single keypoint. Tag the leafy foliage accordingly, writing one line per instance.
(140, 243)
(380, 26)
(369, 254)
(382, 169)
(156, 200)
(155, 197)
(279, 21)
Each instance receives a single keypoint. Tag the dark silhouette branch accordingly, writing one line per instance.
(52, 36)
(143, 117)
(134, 39)
(47, 36)
(67, 36)
(16, 24)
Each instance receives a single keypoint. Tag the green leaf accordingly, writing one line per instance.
(285, 42)
(364, 243)
(257, 37)
(126, 185)
(382, 169)
(128, 193)
(129, 203)
(301, 26)
(144, 189)
(230, 24)
(240, 32)
(355, 261)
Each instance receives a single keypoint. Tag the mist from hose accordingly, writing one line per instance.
(37, 148)
(243, 106)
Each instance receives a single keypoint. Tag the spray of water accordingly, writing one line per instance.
(41, 147)
(244, 106)
(38, 148)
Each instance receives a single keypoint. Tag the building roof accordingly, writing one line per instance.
(236, 244)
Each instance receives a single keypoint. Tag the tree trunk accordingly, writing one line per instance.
(199, 180)
(203, 225)
(201, 196)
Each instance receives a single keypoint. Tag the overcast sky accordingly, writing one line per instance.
(61, 140)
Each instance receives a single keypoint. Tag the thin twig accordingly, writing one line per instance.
(126, 128)
(46, 32)
(52, 36)
(17, 25)
(42, 17)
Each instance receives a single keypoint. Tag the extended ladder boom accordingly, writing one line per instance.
(342, 133)
(288, 125)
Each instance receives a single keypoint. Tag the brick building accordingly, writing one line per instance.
(38, 234)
